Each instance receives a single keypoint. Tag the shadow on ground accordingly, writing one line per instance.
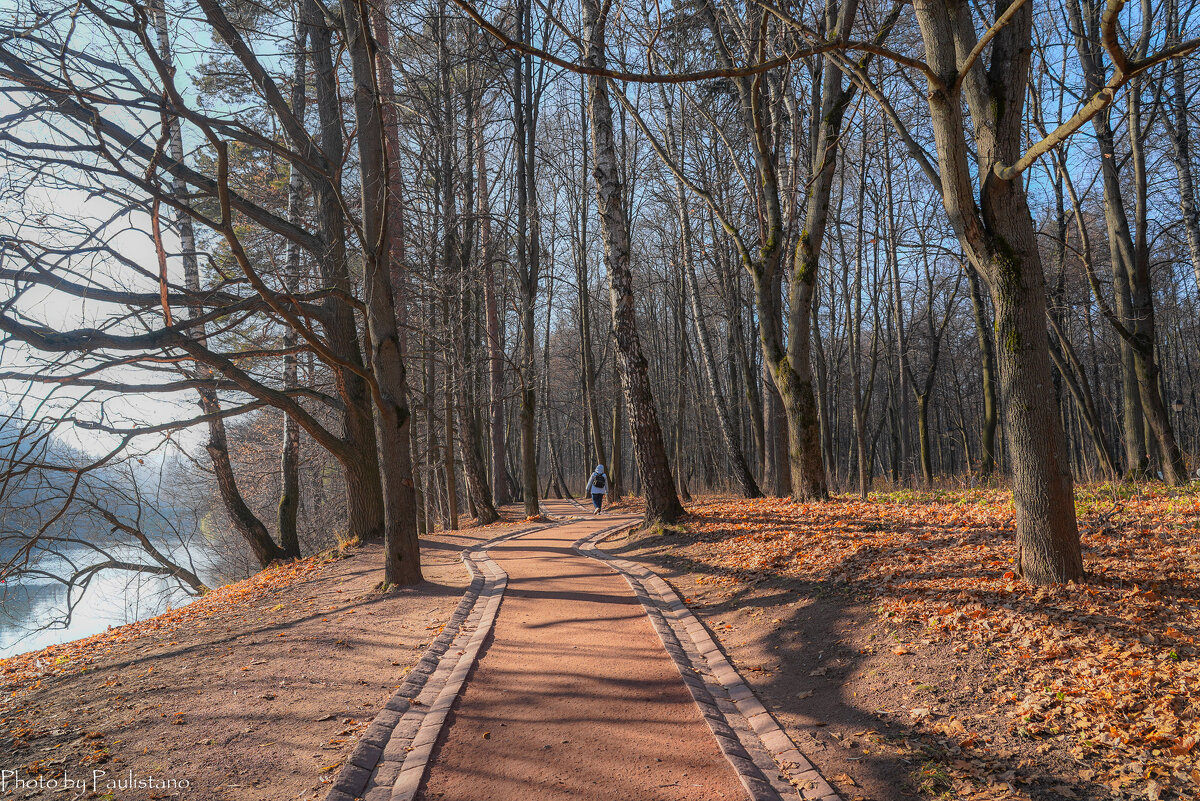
(883, 712)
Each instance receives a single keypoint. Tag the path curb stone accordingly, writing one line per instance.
(390, 759)
(768, 763)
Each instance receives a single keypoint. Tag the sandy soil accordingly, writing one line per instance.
(260, 700)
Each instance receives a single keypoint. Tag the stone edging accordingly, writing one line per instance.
(391, 756)
(766, 760)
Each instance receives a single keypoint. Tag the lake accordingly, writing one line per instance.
(113, 598)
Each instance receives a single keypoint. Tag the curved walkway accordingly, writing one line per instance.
(573, 695)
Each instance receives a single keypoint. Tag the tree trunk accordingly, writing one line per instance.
(999, 235)
(901, 433)
(448, 453)
(791, 372)
(501, 494)
(616, 473)
(244, 521)
(1181, 147)
(741, 470)
(583, 286)
(860, 406)
(402, 550)
(923, 438)
(403, 543)
(526, 262)
(1047, 535)
(681, 409)
(987, 367)
(776, 473)
(364, 492)
(289, 458)
(662, 502)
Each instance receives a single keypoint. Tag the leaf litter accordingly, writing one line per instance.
(1104, 674)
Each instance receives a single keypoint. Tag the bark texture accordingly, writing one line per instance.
(998, 235)
(402, 564)
(662, 502)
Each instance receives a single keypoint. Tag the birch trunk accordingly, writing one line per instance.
(662, 502)
(501, 493)
(289, 458)
(244, 521)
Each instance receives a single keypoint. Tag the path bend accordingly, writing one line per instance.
(570, 674)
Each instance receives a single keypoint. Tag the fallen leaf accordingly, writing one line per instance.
(845, 779)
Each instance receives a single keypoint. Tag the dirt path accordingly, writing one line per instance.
(255, 692)
(575, 697)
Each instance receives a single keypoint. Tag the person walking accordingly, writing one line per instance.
(598, 487)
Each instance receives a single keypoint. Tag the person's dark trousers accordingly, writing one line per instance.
(598, 500)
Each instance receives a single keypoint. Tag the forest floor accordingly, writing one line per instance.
(892, 640)
(889, 637)
(253, 691)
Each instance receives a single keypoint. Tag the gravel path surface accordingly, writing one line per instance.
(566, 674)
(575, 697)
